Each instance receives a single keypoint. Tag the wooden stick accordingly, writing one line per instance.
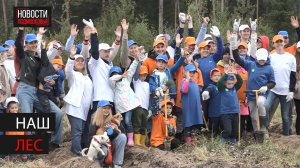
(166, 115)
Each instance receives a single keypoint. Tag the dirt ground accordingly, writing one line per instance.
(279, 151)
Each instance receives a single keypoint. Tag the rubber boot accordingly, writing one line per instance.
(143, 141)
(254, 124)
(137, 139)
(234, 141)
(187, 139)
(130, 139)
(222, 140)
(263, 125)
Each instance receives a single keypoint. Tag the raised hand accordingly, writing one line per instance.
(182, 18)
(178, 40)
(73, 50)
(43, 44)
(236, 25)
(118, 31)
(74, 30)
(206, 20)
(215, 31)
(228, 35)
(253, 24)
(42, 30)
(124, 25)
(190, 21)
(89, 23)
(294, 21)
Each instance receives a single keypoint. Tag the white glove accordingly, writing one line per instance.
(236, 25)
(205, 95)
(253, 24)
(89, 23)
(290, 96)
(159, 92)
(263, 89)
(182, 18)
(215, 31)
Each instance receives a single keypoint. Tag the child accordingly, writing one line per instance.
(159, 79)
(47, 79)
(229, 106)
(12, 106)
(158, 133)
(191, 105)
(212, 93)
(261, 77)
(124, 99)
(139, 116)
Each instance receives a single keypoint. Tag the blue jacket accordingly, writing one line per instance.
(154, 80)
(258, 76)
(214, 101)
(206, 64)
(229, 99)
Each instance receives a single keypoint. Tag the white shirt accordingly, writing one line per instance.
(163, 79)
(99, 71)
(10, 68)
(142, 92)
(171, 51)
(282, 64)
(79, 97)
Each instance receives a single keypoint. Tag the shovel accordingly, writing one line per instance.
(259, 135)
(167, 141)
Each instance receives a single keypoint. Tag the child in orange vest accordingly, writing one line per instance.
(159, 123)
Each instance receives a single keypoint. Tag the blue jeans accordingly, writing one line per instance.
(77, 126)
(285, 111)
(27, 97)
(118, 154)
(128, 123)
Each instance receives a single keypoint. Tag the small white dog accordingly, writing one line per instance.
(97, 142)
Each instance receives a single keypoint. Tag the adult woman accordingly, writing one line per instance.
(102, 122)
(79, 97)
(30, 64)
(284, 65)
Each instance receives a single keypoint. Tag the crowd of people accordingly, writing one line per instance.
(180, 87)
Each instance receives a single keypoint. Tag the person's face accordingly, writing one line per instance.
(259, 45)
(32, 46)
(3, 56)
(242, 50)
(229, 84)
(226, 57)
(169, 109)
(133, 50)
(59, 51)
(11, 50)
(215, 77)
(143, 77)
(13, 108)
(79, 64)
(261, 62)
(191, 48)
(279, 44)
(106, 110)
(245, 34)
(286, 40)
(57, 67)
(204, 51)
(161, 65)
(104, 54)
(212, 48)
(160, 49)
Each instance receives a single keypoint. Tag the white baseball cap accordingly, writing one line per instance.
(163, 35)
(298, 44)
(10, 99)
(262, 54)
(208, 37)
(104, 46)
(243, 27)
(78, 56)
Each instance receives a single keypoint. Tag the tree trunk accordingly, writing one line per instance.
(176, 13)
(68, 10)
(4, 18)
(16, 2)
(213, 8)
(222, 6)
(256, 9)
(26, 3)
(160, 16)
